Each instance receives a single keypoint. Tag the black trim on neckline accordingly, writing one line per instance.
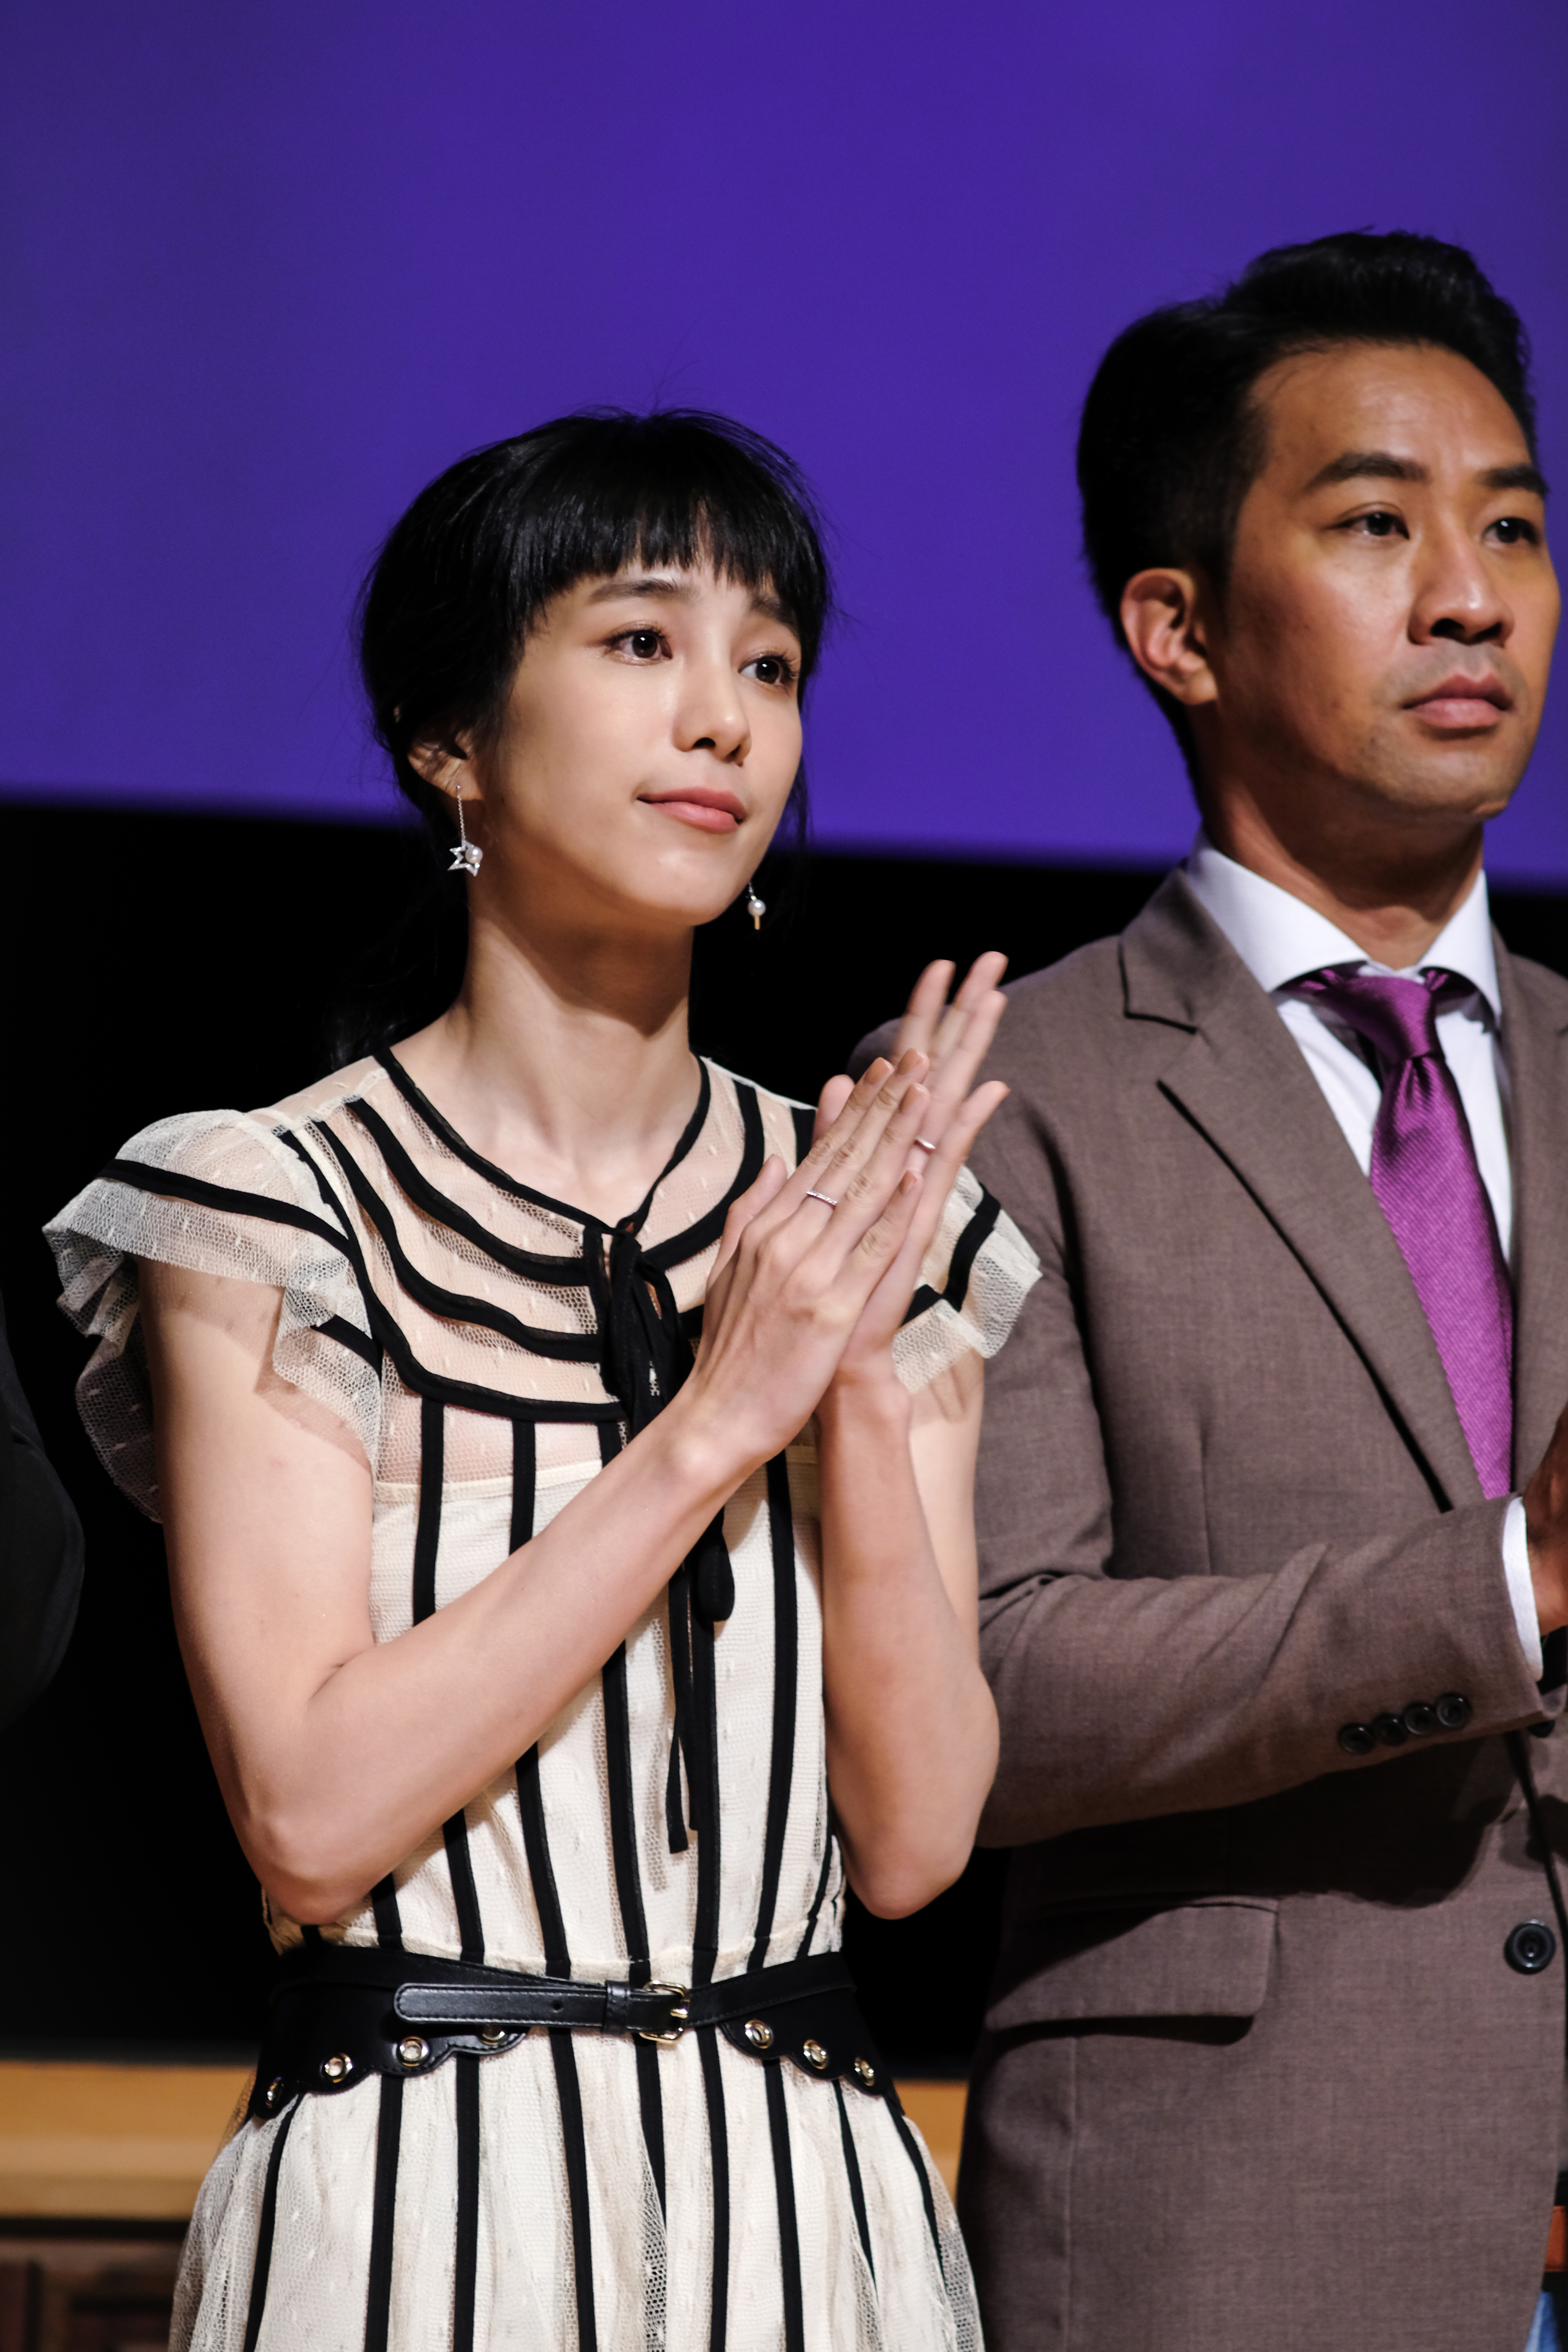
(453, 1305)
(440, 1124)
(535, 1265)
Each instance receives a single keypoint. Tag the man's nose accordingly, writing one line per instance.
(1459, 597)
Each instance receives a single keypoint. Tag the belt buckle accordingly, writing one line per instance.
(678, 1995)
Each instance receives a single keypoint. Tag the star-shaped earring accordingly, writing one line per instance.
(467, 854)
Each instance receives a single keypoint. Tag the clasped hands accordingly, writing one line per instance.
(816, 1269)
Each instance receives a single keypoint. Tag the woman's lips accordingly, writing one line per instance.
(717, 813)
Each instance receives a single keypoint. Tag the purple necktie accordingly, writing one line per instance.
(1428, 1186)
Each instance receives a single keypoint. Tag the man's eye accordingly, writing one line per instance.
(1514, 530)
(1381, 525)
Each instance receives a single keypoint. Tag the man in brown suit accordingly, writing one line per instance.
(1275, 2054)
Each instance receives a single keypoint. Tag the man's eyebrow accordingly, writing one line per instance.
(1522, 476)
(1380, 465)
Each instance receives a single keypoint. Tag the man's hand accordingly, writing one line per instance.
(1546, 1525)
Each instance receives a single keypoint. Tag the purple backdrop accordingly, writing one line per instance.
(267, 269)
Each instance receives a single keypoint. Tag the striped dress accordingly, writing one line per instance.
(492, 1348)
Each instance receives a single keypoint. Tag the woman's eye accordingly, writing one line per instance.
(770, 669)
(645, 645)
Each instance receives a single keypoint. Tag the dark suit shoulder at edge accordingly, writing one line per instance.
(1546, 988)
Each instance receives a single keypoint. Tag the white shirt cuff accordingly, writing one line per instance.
(1521, 1586)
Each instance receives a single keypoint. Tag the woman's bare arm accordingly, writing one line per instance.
(911, 1726)
(338, 1755)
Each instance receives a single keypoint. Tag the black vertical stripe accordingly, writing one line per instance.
(524, 1480)
(568, 2091)
(912, 2149)
(465, 1894)
(719, 2151)
(384, 2212)
(427, 1530)
(789, 2230)
(536, 1845)
(426, 1545)
(466, 2267)
(857, 2187)
(388, 1918)
(623, 1799)
(781, 1764)
(623, 1816)
(705, 1679)
(819, 1898)
(650, 2099)
(530, 1801)
(265, 2229)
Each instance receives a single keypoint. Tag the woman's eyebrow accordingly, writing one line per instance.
(643, 583)
(677, 590)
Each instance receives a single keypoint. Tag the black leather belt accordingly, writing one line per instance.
(341, 2012)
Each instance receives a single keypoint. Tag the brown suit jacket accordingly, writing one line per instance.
(1256, 2072)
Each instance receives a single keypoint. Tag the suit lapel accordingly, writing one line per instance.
(1244, 1083)
(1535, 1048)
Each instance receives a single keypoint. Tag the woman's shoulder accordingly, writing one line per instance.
(353, 1082)
(204, 1155)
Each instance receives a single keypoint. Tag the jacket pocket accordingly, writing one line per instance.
(1208, 1958)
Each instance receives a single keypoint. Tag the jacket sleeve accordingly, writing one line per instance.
(40, 1552)
(1122, 1697)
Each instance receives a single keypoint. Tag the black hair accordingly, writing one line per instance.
(1171, 440)
(445, 613)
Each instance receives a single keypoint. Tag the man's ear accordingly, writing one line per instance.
(1165, 620)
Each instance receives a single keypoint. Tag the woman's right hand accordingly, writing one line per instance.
(793, 1273)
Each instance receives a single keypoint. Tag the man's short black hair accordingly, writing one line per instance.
(1171, 441)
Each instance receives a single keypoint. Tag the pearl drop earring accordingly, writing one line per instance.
(756, 907)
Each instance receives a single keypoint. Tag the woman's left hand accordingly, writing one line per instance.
(956, 1038)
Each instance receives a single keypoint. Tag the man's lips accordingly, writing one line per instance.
(1462, 702)
(706, 806)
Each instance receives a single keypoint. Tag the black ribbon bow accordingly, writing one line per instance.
(646, 1357)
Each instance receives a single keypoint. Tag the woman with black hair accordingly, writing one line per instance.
(566, 1451)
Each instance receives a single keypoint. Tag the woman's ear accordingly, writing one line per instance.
(447, 766)
(1165, 620)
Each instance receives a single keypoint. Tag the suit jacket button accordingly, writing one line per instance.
(1357, 1739)
(1529, 1947)
(1420, 1718)
(1454, 1710)
(1390, 1729)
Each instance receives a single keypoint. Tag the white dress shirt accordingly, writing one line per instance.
(1279, 938)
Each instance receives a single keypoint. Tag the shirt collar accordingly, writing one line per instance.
(1278, 938)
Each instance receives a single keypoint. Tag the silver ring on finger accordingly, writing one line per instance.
(826, 1199)
(923, 1145)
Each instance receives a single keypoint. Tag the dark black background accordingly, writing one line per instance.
(155, 964)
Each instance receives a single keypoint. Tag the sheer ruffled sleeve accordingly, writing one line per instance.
(219, 1192)
(977, 1274)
